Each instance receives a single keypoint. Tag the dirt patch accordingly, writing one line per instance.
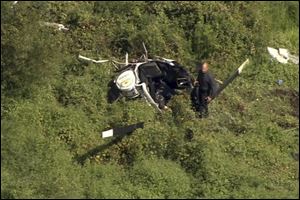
(293, 97)
(285, 125)
(295, 156)
(241, 107)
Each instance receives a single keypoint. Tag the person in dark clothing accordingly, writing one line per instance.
(205, 89)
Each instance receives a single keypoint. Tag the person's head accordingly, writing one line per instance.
(203, 67)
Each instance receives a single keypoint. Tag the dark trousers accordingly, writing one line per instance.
(202, 106)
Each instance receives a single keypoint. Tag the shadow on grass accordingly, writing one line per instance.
(96, 150)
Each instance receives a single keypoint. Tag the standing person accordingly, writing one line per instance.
(205, 89)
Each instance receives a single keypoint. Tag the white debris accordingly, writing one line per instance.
(126, 58)
(108, 133)
(146, 52)
(275, 54)
(170, 61)
(294, 59)
(13, 4)
(219, 81)
(94, 61)
(284, 53)
(283, 56)
(56, 25)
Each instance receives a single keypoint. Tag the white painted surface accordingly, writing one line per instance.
(108, 133)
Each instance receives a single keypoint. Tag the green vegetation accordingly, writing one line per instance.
(53, 106)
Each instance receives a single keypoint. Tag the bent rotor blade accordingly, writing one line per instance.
(56, 25)
(230, 79)
(89, 59)
(119, 63)
(165, 59)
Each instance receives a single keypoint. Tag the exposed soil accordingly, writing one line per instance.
(293, 97)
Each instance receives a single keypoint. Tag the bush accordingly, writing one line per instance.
(54, 107)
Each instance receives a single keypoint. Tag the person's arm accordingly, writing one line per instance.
(196, 81)
(212, 87)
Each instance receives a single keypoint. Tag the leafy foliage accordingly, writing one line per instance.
(54, 106)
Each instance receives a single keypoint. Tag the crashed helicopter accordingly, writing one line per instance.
(155, 79)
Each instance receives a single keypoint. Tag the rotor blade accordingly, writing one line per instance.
(146, 52)
(230, 79)
(166, 59)
(56, 25)
(121, 131)
(117, 62)
(89, 59)
(120, 63)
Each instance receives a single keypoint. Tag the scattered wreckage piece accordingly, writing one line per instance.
(294, 59)
(283, 55)
(13, 4)
(60, 27)
(117, 134)
(279, 82)
(275, 54)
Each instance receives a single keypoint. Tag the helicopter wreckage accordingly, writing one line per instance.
(155, 79)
